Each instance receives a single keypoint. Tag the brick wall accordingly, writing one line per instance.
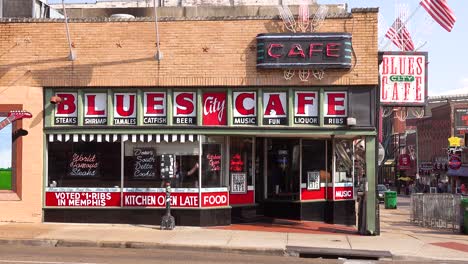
(204, 53)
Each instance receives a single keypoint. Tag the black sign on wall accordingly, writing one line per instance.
(144, 163)
(461, 122)
(304, 50)
(168, 166)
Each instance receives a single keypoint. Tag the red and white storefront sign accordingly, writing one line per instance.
(154, 108)
(403, 79)
(275, 108)
(158, 199)
(185, 108)
(336, 108)
(125, 111)
(308, 194)
(214, 109)
(66, 112)
(345, 192)
(95, 109)
(306, 107)
(69, 197)
(243, 198)
(245, 108)
(215, 199)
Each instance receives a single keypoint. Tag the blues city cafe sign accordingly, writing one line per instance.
(403, 78)
(304, 50)
(213, 108)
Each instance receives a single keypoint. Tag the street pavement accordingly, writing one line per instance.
(399, 237)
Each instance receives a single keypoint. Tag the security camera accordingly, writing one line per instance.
(55, 100)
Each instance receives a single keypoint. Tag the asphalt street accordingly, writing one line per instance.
(78, 255)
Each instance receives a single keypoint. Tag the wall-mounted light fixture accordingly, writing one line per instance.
(55, 99)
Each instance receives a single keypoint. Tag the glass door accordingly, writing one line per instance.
(282, 173)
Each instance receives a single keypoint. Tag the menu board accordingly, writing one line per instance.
(238, 182)
(167, 166)
(83, 165)
(144, 163)
(313, 180)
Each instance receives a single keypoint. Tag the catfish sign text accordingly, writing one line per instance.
(403, 79)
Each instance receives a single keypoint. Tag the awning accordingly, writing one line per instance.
(125, 137)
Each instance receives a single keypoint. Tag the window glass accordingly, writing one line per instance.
(6, 160)
(283, 168)
(142, 164)
(344, 161)
(212, 162)
(314, 163)
(84, 164)
(240, 163)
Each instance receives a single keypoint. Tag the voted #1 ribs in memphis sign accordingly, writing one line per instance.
(403, 78)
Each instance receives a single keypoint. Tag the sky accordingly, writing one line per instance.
(5, 146)
(447, 71)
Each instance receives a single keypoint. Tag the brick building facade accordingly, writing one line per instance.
(199, 54)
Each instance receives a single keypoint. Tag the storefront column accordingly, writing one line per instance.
(370, 190)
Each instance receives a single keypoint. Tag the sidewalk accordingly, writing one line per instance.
(398, 236)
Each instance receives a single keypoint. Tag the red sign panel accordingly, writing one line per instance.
(215, 199)
(125, 109)
(154, 108)
(245, 108)
(312, 194)
(455, 162)
(185, 108)
(83, 199)
(336, 108)
(247, 198)
(344, 193)
(95, 112)
(214, 109)
(145, 199)
(404, 162)
(66, 113)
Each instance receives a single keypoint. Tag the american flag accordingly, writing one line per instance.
(400, 36)
(440, 12)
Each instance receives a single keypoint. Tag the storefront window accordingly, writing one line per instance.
(314, 164)
(84, 164)
(146, 164)
(240, 163)
(212, 162)
(283, 168)
(6, 149)
(344, 161)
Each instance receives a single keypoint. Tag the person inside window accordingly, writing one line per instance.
(193, 172)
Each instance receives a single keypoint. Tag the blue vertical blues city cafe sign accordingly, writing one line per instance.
(304, 50)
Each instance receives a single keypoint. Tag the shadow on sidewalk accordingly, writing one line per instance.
(290, 226)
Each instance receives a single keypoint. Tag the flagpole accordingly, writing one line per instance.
(424, 44)
(403, 25)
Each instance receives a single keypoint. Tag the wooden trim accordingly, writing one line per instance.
(17, 159)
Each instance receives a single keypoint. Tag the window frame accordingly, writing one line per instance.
(15, 193)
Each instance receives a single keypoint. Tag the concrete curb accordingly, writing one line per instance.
(140, 245)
